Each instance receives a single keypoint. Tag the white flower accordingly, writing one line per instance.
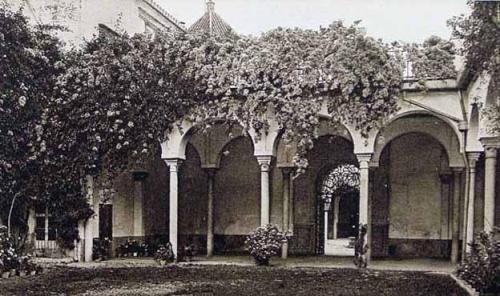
(22, 101)
(10, 133)
(118, 146)
(130, 124)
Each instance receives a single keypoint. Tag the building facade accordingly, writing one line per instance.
(83, 19)
(428, 178)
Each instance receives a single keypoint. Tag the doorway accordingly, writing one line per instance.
(339, 202)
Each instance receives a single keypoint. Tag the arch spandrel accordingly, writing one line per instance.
(208, 143)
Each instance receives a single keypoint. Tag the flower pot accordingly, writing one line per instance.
(5, 274)
(33, 272)
(13, 272)
(135, 254)
(22, 273)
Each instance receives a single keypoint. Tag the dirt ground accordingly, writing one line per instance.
(229, 280)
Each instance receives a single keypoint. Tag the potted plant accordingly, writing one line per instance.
(11, 261)
(481, 267)
(26, 266)
(101, 249)
(265, 242)
(164, 254)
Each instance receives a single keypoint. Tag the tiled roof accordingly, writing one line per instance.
(211, 22)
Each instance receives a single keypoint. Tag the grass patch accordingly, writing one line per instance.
(229, 280)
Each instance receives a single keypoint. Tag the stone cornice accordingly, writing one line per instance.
(162, 12)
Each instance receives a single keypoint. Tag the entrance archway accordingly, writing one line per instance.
(338, 196)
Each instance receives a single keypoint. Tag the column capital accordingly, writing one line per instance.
(364, 160)
(490, 151)
(173, 163)
(473, 157)
(491, 145)
(264, 162)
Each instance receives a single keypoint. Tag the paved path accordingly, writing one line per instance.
(431, 265)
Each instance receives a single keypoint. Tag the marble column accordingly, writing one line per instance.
(139, 177)
(265, 167)
(287, 171)
(489, 186)
(455, 219)
(364, 211)
(173, 165)
(210, 211)
(469, 234)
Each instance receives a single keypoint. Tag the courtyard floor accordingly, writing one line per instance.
(233, 276)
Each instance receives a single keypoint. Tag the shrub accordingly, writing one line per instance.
(8, 255)
(133, 248)
(164, 254)
(264, 243)
(481, 267)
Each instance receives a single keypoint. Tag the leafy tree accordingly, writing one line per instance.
(30, 64)
(27, 64)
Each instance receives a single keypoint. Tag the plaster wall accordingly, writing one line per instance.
(193, 195)
(123, 206)
(237, 189)
(419, 205)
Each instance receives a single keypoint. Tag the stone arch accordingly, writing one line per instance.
(421, 122)
(284, 153)
(177, 140)
(411, 198)
(328, 151)
(473, 143)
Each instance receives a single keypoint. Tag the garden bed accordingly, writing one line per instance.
(229, 280)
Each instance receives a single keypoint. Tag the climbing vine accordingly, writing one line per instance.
(433, 59)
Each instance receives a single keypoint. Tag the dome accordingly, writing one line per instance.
(211, 22)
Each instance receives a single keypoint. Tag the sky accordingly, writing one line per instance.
(404, 20)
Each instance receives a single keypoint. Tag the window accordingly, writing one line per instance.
(44, 229)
